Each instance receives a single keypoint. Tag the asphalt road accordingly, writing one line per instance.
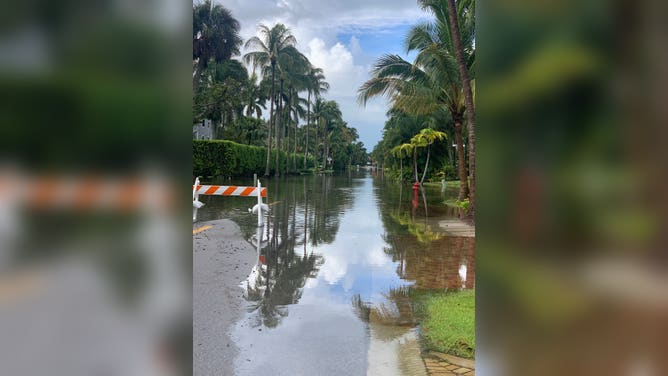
(221, 260)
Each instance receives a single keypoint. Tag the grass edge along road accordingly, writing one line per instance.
(448, 321)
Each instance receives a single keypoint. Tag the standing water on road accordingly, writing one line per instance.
(336, 257)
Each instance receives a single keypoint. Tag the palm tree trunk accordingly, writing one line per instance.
(271, 120)
(287, 128)
(468, 98)
(461, 162)
(325, 151)
(294, 154)
(279, 128)
(315, 147)
(426, 165)
(308, 123)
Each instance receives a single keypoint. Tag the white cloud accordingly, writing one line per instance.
(335, 60)
(355, 47)
(316, 25)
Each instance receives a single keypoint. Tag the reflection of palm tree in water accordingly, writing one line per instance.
(430, 258)
(286, 273)
(281, 280)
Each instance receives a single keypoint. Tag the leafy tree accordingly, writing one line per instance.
(215, 36)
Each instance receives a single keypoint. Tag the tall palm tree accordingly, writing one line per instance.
(433, 81)
(316, 86)
(275, 42)
(330, 114)
(419, 89)
(293, 68)
(318, 114)
(435, 45)
(297, 105)
(215, 36)
(460, 20)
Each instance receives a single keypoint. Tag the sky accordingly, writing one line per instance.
(344, 38)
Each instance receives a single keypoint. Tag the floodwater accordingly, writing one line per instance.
(335, 258)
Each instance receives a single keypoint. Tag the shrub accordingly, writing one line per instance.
(226, 158)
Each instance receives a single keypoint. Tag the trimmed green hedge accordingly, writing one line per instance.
(227, 158)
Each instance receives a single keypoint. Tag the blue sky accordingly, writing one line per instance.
(344, 38)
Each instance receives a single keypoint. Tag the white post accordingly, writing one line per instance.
(195, 198)
(259, 203)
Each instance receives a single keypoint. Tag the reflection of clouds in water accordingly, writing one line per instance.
(347, 252)
(348, 282)
(334, 268)
(363, 245)
(360, 221)
(377, 257)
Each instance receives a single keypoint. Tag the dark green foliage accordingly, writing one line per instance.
(227, 158)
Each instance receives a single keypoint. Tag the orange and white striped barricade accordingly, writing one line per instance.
(230, 190)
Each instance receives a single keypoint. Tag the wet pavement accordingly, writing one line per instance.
(323, 293)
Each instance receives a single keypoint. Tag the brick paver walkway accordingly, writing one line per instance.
(439, 364)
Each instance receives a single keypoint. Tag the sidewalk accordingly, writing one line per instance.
(440, 364)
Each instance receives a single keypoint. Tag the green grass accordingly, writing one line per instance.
(455, 203)
(448, 184)
(449, 322)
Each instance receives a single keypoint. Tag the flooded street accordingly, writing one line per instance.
(335, 261)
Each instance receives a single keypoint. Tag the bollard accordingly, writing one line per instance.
(196, 202)
(259, 204)
(195, 199)
(254, 179)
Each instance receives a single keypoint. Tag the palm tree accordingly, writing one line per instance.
(318, 114)
(419, 89)
(215, 36)
(432, 82)
(275, 42)
(461, 23)
(409, 148)
(293, 110)
(293, 69)
(297, 105)
(330, 114)
(256, 97)
(426, 137)
(401, 151)
(316, 86)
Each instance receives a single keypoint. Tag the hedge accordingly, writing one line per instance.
(226, 158)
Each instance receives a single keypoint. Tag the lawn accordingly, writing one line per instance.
(449, 184)
(448, 323)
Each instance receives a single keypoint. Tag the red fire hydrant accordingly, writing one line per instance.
(416, 188)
